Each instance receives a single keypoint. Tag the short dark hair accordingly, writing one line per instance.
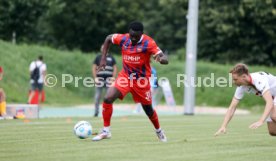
(136, 26)
(240, 69)
(40, 57)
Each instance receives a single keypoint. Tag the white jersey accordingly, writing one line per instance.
(261, 82)
(42, 67)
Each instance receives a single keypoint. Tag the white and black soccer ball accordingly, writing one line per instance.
(83, 129)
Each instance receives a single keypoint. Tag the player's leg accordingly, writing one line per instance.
(271, 123)
(111, 95)
(152, 115)
(119, 90)
(97, 98)
(32, 93)
(141, 93)
(40, 90)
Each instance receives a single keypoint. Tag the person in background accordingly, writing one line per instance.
(37, 72)
(3, 113)
(103, 78)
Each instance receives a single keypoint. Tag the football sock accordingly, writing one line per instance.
(107, 113)
(154, 120)
(158, 130)
(106, 129)
(3, 108)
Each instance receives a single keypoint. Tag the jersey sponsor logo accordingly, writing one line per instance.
(132, 58)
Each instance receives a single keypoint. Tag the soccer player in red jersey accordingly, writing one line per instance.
(137, 49)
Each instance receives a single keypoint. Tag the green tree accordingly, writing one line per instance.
(21, 17)
(240, 30)
(85, 24)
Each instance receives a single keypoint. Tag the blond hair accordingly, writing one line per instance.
(239, 69)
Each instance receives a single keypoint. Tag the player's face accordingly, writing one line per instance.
(135, 36)
(238, 80)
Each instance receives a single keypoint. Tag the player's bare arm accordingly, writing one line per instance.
(228, 116)
(161, 58)
(268, 107)
(106, 45)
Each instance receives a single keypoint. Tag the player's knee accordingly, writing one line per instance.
(108, 100)
(272, 133)
(272, 128)
(148, 110)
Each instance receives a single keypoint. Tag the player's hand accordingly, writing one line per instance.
(256, 125)
(220, 131)
(162, 58)
(156, 57)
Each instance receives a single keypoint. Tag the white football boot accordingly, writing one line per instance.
(103, 135)
(161, 136)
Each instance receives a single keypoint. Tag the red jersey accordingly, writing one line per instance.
(136, 58)
(1, 69)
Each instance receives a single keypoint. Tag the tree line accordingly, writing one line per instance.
(229, 31)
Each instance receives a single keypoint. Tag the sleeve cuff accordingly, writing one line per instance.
(112, 38)
(157, 53)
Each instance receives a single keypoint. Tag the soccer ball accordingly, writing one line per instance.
(83, 129)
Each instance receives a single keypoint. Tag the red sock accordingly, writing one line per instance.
(154, 120)
(107, 113)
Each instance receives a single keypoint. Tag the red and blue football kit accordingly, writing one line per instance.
(134, 77)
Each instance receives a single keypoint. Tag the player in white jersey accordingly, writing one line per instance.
(260, 83)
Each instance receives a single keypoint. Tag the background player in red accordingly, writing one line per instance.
(137, 49)
(2, 98)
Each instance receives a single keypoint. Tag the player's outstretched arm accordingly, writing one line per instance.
(161, 58)
(106, 44)
(228, 116)
(268, 107)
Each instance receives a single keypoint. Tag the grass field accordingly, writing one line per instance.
(133, 139)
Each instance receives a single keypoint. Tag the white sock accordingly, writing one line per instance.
(158, 130)
(107, 129)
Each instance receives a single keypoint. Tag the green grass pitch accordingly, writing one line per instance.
(133, 139)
